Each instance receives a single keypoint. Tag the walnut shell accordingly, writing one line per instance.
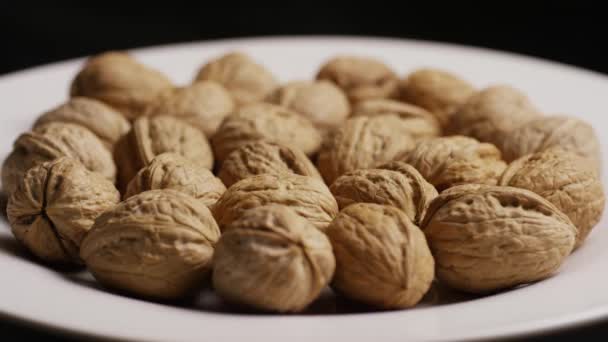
(309, 197)
(557, 176)
(245, 79)
(321, 102)
(203, 104)
(439, 91)
(151, 136)
(172, 171)
(105, 122)
(361, 78)
(51, 141)
(264, 121)
(487, 238)
(261, 157)
(448, 161)
(272, 259)
(363, 142)
(421, 123)
(157, 244)
(382, 258)
(492, 113)
(120, 81)
(54, 205)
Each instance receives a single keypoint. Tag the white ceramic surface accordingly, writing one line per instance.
(72, 303)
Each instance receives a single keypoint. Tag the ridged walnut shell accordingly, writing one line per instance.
(559, 177)
(151, 136)
(105, 122)
(382, 258)
(51, 141)
(120, 81)
(262, 157)
(309, 197)
(202, 104)
(449, 161)
(321, 102)
(361, 78)
(172, 171)
(245, 79)
(157, 244)
(264, 121)
(54, 206)
(272, 259)
(363, 142)
(487, 238)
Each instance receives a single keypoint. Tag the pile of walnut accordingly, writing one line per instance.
(374, 185)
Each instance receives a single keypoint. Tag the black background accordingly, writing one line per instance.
(573, 34)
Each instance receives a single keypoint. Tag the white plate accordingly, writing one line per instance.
(72, 303)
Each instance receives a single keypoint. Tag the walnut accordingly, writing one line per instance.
(203, 104)
(151, 136)
(264, 121)
(172, 171)
(322, 102)
(120, 81)
(51, 141)
(363, 142)
(272, 259)
(438, 91)
(557, 176)
(245, 79)
(487, 238)
(106, 123)
(157, 244)
(448, 161)
(492, 113)
(54, 205)
(421, 123)
(361, 78)
(307, 196)
(261, 157)
(382, 258)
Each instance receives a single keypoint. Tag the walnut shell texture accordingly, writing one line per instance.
(486, 238)
(309, 197)
(272, 259)
(172, 171)
(54, 206)
(382, 258)
(261, 157)
(157, 244)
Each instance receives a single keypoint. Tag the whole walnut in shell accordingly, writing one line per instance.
(487, 238)
(421, 123)
(157, 244)
(439, 91)
(120, 81)
(245, 79)
(363, 142)
(172, 171)
(309, 197)
(260, 157)
(558, 176)
(448, 161)
(151, 136)
(105, 122)
(202, 104)
(51, 141)
(322, 102)
(264, 121)
(382, 258)
(361, 78)
(54, 205)
(272, 259)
